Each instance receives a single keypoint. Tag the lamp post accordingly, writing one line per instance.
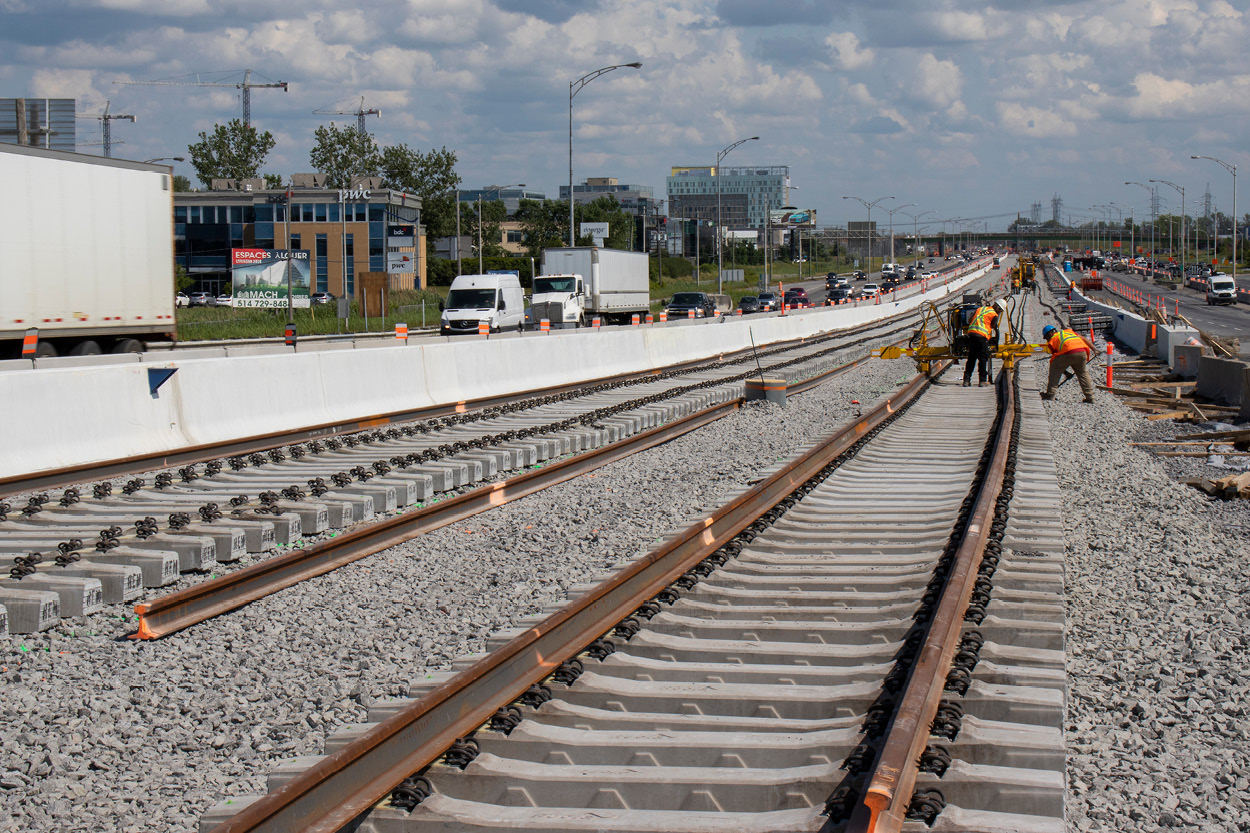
(891, 211)
(868, 230)
(1153, 202)
(720, 258)
(496, 189)
(165, 159)
(1232, 169)
(574, 88)
(915, 231)
(1182, 190)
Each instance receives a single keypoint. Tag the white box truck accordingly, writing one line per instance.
(86, 252)
(580, 283)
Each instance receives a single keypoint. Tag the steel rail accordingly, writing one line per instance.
(888, 791)
(188, 455)
(179, 610)
(339, 788)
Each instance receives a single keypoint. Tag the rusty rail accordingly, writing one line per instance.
(893, 778)
(335, 791)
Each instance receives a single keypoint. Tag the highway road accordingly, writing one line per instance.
(1224, 321)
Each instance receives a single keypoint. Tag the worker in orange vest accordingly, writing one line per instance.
(980, 331)
(1068, 351)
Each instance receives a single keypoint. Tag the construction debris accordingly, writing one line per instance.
(1233, 486)
(1146, 385)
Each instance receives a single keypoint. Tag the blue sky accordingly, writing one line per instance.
(968, 109)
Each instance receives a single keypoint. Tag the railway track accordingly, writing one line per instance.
(870, 635)
(75, 555)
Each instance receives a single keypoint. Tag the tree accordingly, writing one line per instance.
(181, 183)
(233, 151)
(343, 154)
(431, 176)
(544, 224)
(494, 212)
(273, 181)
(607, 209)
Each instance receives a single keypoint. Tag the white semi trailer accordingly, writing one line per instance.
(578, 284)
(86, 253)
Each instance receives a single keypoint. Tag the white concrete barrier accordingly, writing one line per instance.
(57, 417)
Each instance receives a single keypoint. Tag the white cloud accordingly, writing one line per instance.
(938, 82)
(1035, 122)
(847, 51)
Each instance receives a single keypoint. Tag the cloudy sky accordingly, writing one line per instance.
(968, 108)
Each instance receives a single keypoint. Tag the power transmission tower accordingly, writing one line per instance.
(1056, 208)
(1036, 214)
(245, 85)
(106, 119)
(360, 112)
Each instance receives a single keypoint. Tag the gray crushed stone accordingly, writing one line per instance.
(101, 733)
(1158, 631)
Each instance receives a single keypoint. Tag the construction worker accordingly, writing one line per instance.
(1068, 351)
(980, 330)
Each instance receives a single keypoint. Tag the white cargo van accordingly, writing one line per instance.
(1221, 290)
(496, 300)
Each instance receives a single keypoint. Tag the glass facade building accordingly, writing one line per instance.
(747, 194)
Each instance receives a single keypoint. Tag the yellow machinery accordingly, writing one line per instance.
(1022, 274)
(950, 339)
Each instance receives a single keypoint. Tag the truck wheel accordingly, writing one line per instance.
(86, 348)
(45, 350)
(128, 345)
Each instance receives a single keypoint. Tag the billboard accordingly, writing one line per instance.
(400, 263)
(401, 236)
(260, 277)
(793, 217)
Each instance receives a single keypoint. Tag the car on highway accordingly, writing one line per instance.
(860, 275)
(749, 304)
(838, 294)
(869, 290)
(928, 275)
(834, 281)
(769, 302)
(201, 299)
(1221, 290)
(680, 305)
(322, 298)
(796, 298)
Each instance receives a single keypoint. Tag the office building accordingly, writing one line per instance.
(347, 233)
(747, 194)
(638, 200)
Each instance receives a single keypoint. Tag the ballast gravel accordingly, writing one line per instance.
(1158, 630)
(101, 733)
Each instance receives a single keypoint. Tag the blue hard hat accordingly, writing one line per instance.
(1047, 331)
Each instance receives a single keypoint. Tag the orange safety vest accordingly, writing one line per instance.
(982, 322)
(1066, 341)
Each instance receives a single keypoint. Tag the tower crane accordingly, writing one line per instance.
(246, 85)
(360, 112)
(106, 119)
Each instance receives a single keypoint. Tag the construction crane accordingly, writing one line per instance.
(245, 85)
(360, 112)
(106, 119)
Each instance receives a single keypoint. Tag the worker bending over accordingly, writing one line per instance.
(1068, 351)
(980, 331)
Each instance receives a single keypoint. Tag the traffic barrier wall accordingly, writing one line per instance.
(1170, 339)
(1222, 380)
(1185, 360)
(66, 416)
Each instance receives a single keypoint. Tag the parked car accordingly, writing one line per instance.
(201, 299)
(181, 300)
(749, 304)
(225, 299)
(322, 298)
(769, 302)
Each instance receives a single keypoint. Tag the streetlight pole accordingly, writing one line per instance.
(164, 159)
(1182, 190)
(574, 88)
(496, 189)
(868, 230)
(1153, 199)
(720, 258)
(1232, 169)
(915, 230)
(891, 211)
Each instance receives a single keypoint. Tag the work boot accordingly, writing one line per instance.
(1089, 400)
(967, 383)
(1048, 396)
(982, 383)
